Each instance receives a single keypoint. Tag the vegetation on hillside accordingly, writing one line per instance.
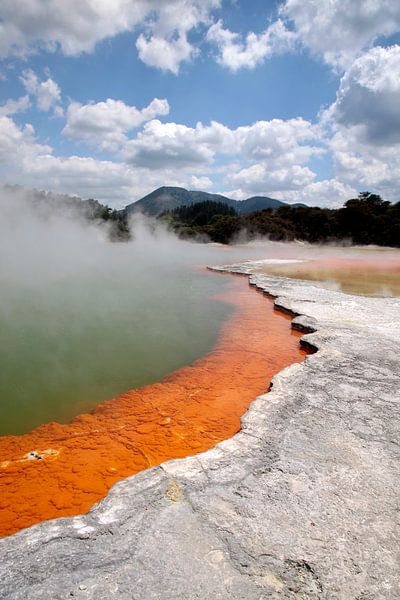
(212, 220)
(367, 219)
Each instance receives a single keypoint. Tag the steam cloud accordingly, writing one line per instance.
(83, 319)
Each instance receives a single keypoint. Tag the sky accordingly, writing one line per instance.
(110, 99)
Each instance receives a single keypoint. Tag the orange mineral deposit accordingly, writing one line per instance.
(63, 469)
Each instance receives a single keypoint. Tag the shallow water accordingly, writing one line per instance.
(370, 276)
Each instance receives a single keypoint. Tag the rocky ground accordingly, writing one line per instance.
(303, 503)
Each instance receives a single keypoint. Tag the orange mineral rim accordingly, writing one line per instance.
(59, 470)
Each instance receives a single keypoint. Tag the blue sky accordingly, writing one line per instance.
(293, 99)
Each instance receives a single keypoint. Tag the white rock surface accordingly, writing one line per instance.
(303, 503)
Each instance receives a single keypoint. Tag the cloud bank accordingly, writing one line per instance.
(124, 151)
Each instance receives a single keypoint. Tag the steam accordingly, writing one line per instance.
(83, 319)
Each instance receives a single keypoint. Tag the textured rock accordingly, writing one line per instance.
(302, 503)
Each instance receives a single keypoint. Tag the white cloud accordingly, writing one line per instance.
(165, 43)
(26, 162)
(369, 97)
(170, 145)
(254, 166)
(364, 122)
(75, 26)
(264, 157)
(364, 165)
(200, 183)
(337, 30)
(107, 123)
(235, 53)
(261, 180)
(329, 193)
(18, 144)
(165, 54)
(277, 151)
(47, 92)
(276, 143)
(11, 106)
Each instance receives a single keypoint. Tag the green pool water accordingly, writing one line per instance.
(73, 337)
(83, 320)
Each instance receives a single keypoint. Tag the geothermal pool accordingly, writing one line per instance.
(60, 470)
(81, 340)
(125, 355)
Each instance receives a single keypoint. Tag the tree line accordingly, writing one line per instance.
(367, 219)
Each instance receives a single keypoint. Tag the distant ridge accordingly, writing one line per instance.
(168, 198)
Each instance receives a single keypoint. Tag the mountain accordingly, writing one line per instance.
(256, 203)
(168, 198)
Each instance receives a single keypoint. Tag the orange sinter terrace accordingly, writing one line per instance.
(59, 470)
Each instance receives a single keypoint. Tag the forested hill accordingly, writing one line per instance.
(367, 219)
(169, 198)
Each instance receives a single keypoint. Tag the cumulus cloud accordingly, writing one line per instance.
(75, 27)
(259, 179)
(330, 193)
(334, 30)
(369, 96)
(72, 26)
(260, 158)
(25, 161)
(200, 183)
(276, 143)
(165, 145)
(235, 53)
(47, 93)
(277, 151)
(107, 123)
(165, 54)
(11, 106)
(337, 30)
(165, 43)
(364, 165)
(364, 122)
(17, 145)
